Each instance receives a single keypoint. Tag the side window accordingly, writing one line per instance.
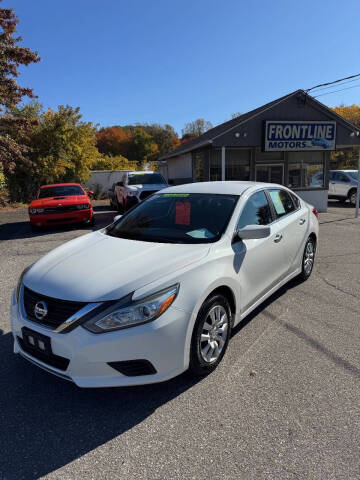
(256, 211)
(296, 201)
(340, 177)
(282, 202)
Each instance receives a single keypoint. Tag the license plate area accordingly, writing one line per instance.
(36, 341)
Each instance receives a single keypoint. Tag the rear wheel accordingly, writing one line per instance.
(308, 259)
(352, 197)
(210, 335)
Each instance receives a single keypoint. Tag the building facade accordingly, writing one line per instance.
(287, 141)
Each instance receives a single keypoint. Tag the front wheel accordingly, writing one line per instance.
(308, 259)
(211, 335)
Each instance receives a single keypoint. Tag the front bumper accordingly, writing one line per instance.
(161, 342)
(75, 216)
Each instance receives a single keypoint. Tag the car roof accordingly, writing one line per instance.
(61, 185)
(222, 187)
(142, 171)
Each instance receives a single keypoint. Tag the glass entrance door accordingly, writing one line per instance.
(270, 173)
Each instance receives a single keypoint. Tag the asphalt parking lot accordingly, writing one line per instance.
(284, 403)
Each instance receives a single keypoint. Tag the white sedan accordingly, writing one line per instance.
(158, 291)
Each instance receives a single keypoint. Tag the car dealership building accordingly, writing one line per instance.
(287, 141)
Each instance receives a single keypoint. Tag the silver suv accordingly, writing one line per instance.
(343, 185)
(135, 187)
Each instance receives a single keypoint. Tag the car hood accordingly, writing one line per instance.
(97, 267)
(55, 201)
(155, 186)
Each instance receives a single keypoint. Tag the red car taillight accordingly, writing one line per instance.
(316, 213)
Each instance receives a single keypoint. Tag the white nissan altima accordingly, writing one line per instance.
(158, 291)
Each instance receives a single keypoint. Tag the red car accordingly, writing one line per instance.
(61, 204)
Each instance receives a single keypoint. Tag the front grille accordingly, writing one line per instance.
(59, 220)
(55, 361)
(134, 368)
(58, 310)
(62, 209)
(146, 194)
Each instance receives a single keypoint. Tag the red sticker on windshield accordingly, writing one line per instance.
(182, 213)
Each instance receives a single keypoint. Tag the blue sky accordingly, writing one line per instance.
(170, 61)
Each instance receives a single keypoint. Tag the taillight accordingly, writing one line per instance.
(316, 213)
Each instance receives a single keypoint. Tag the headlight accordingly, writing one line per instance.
(83, 206)
(18, 286)
(132, 193)
(32, 211)
(134, 313)
(39, 210)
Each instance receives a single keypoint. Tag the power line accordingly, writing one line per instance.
(331, 83)
(334, 91)
(340, 84)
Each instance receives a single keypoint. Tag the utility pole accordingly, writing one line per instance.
(358, 189)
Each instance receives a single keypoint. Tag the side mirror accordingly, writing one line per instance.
(90, 193)
(117, 217)
(253, 232)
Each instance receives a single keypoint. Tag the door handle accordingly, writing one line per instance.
(278, 238)
(302, 221)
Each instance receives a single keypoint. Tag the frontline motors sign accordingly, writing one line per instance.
(299, 136)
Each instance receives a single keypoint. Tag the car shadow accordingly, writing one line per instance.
(21, 230)
(47, 422)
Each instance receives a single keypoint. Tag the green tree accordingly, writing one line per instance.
(12, 147)
(62, 148)
(113, 163)
(164, 136)
(196, 128)
(142, 149)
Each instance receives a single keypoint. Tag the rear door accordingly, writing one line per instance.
(293, 219)
(260, 263)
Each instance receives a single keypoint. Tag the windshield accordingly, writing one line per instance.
(353, 175)
(177, 218)
(145, 178)
(61, 191)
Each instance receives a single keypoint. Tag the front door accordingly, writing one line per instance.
(270, 173)
(261, 263)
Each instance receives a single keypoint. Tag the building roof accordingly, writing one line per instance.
(207, 137)
(232, 187)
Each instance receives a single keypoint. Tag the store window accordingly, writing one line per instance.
(237, 164)
(306, 170)
(215, 165)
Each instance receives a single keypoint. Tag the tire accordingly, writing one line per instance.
(205, 355)
(34, 228)
(92, 221)
(352, 197)
(308, 259)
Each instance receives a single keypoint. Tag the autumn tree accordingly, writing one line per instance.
(113, 141)
(61, 147)
(13, 148)
(347, 158)
(196, 128)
